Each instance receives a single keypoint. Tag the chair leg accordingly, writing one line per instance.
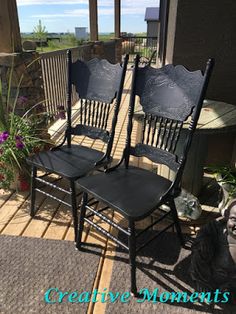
(74, 207)
(176, 221)
(33, 186)
(81, 220)
(132, 257)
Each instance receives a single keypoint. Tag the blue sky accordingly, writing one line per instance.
(63, 16)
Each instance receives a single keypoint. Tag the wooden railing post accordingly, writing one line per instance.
(93, 20)
(9, 27)
(117, 18)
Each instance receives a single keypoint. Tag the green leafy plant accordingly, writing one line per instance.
(225, 175)
(226, 178)
(19, 136)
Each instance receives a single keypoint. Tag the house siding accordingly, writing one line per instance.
(204, 29)
(152, 28)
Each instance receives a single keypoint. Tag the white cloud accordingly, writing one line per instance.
(101, 12)
(49, 2)
(62, 2)
(143, 3)
(105, 7)
(72, 13)
(102, 3)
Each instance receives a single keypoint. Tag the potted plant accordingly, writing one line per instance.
(20, 136)
(226, 178)
(17, 141)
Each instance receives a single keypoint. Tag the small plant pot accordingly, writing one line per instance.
(21, 183)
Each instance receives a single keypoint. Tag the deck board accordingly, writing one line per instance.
(10, 208)
(54, 221)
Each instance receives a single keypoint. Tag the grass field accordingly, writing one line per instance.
(68, 41)
(65, 41)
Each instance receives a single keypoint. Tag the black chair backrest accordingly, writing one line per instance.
(170, 97)
(99, 85)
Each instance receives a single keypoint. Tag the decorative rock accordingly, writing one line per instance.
(188, 205)
(29, 45)
(26, 66)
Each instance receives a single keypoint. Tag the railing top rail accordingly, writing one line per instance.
(140, 37)
(62, 51)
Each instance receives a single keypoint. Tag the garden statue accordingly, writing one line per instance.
(213, 262)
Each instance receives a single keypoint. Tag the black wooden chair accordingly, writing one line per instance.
(99, 86)
(169, 96)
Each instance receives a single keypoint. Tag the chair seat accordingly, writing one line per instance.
(71, 163)
(134, 192)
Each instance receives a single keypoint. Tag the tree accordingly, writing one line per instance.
(40, 32)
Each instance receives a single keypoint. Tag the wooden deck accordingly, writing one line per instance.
(53, 221)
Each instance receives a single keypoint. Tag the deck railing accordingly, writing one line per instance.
(54, 75)
(54, 71)
(144, 46)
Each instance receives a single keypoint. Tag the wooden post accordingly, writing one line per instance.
(117, 18)
(10, 39)
(93, 20)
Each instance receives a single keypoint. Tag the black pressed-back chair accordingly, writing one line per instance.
(169, 97)
(99, 85)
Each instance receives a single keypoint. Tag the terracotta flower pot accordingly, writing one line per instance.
(21, 183)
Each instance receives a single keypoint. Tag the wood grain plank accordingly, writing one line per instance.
(4, 196)
(21, 219)
(9, 209)
(38, 226)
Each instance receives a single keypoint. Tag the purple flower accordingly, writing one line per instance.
(22, 100)
(61, 114)
(20, 145)
(18, 138)
(3, 136)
